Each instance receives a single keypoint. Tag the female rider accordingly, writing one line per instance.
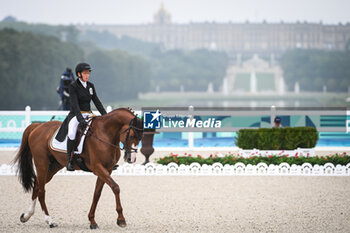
(81, 93)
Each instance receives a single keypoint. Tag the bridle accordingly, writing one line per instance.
(138, 133)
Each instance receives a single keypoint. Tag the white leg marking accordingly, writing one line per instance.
(48, 219)
(133, 154)
(30, 211)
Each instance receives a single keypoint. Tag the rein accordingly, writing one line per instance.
(108, 143)
(131, 126)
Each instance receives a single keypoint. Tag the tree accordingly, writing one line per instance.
(30, 68)
(118, 75)
(315, 68)
(169, 69)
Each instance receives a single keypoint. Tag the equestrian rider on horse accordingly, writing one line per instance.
(81, 93)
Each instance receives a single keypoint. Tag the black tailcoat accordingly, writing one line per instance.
(80, 98)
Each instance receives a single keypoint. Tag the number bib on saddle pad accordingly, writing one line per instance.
(62, 146)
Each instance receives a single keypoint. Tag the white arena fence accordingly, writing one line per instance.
(26, 118)
(16, 121)
(217, 169)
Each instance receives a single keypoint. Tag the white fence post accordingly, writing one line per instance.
(190, 134)
(273, 115)
(27, 116)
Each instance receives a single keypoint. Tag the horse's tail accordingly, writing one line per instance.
(25, 171)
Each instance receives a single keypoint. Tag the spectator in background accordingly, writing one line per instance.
(63, 89)
(277, 122)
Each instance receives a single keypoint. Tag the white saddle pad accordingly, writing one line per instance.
(62, 146)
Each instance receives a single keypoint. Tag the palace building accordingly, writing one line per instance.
(245, 43)
(233, 38)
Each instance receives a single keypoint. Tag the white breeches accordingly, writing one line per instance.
(73, 126)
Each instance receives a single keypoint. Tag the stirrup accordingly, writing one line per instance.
(70, 167)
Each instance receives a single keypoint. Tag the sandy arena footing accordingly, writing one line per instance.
(185, 204)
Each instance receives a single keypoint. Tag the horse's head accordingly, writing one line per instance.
(130, 136)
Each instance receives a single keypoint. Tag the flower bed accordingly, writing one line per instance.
(231, 159)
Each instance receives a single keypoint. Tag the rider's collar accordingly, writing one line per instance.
(83, 83)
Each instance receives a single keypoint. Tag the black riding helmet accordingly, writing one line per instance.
(81, 67)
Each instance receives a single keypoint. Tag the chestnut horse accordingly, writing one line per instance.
(101, 153)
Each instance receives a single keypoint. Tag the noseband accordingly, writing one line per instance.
(138, 132)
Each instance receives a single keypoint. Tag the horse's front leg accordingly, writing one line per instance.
(104, 175)
(97, 194)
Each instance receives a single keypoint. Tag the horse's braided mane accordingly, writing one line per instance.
(126, 109)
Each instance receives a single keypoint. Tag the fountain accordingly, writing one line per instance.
(210, 88)
(253, 82)
(281, 86)
(225, 86)
(296, 88)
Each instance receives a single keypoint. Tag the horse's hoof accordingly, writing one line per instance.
(53, 225)
(121, 223)
(93, 227)
(22, 218)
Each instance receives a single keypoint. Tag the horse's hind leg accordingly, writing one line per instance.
(26, 216)
(54, 167)
(47, 173)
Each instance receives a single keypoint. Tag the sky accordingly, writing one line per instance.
(182, 11)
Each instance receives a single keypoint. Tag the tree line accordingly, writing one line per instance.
(33, 57)
(170, 70)
(314, 69)
(30, 68)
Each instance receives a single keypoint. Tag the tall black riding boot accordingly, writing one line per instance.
(70, 148)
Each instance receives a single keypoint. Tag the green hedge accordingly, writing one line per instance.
(277, 138)
(342, 159)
